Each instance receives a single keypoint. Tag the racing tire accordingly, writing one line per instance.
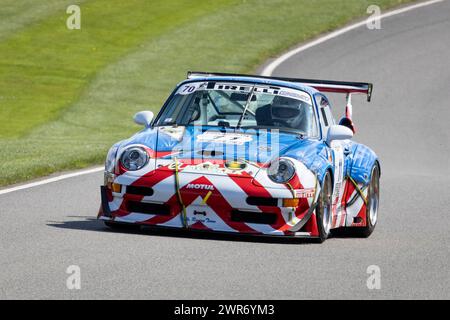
(373, 202)
(324, 213)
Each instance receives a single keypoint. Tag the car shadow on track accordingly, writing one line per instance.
(92, 224)
(88, 224)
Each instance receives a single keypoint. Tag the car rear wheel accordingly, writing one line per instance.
(323, 212)
(373, 202)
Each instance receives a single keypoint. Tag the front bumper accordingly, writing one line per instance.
(226, 211)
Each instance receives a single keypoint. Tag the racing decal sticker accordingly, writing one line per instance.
(227, 86)
(224, 138)
(235, 166)
(191, 87)
(356, 209)
(305, 193)
(230, 167)
(338, 190)
(174, 132)
(277, 91)
(266, 89)
(200, 186)
(295, 94)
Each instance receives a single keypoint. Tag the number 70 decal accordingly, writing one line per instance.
(188, 88)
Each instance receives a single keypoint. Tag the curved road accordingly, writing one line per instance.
(45, 229)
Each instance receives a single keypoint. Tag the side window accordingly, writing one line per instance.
(326, 117)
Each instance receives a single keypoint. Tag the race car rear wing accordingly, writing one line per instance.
(320, 85)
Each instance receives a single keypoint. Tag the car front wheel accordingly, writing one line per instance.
(323, 212)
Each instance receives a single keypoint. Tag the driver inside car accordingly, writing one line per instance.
(284, 112)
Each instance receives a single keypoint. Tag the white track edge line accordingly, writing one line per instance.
(270, 68)
(267, 71)
(50, 180)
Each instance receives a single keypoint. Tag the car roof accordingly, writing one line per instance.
(274, 82)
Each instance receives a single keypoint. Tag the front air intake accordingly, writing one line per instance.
(262, 201)
(140, 191)
(253, 217)
(148, 208)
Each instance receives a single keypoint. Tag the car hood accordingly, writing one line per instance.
(214, 146)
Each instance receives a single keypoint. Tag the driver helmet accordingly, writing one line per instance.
(288, 111)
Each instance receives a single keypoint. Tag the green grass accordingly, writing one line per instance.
(67, 95)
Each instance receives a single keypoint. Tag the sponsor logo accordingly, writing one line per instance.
(235, 165)
(224, 138)
(296, 95)
(305, 193)
(200, 219)
(175, 133)
(209, 167)
(200, 186)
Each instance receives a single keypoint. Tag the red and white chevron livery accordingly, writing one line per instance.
(215, 198)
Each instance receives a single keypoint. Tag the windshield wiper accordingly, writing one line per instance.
(247, 104)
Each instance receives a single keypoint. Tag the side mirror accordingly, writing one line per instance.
(143, 118)
(338, 132)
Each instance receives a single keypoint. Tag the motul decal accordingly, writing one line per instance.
(200, 186)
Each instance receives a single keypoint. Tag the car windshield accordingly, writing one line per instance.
(243, 105)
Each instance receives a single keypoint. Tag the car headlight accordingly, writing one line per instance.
(134, 158)
(111, 160)
(281, 171)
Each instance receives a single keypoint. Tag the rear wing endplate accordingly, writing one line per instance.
(320, 85)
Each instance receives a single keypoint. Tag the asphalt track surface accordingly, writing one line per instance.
(45, 229)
